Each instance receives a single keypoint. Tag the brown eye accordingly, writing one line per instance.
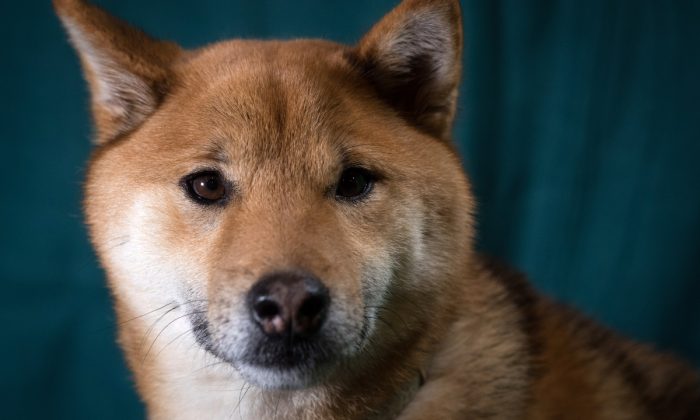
(354, 184)
(207, 187)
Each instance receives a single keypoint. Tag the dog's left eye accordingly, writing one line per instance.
(206, 187)
(354, 184)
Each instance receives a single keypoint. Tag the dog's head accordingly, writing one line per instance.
(299, 200)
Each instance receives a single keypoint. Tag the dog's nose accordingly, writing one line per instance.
(289, 303)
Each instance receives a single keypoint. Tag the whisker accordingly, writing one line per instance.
(278, 397)
(118, 241)
(221, 362)
(392, 312)
(150, 329)
(147, 313)
(153, 325)
(134, 318)
(385, 322)
(172, 341)
(163, 330)
(239, 402)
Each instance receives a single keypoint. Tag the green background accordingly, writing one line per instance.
(579, 123)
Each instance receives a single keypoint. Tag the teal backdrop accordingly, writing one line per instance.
(579, 123)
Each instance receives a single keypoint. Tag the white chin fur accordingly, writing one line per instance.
(278, 379)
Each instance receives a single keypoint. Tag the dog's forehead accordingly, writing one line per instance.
(282, 101)
(271, 110)
(293, 83)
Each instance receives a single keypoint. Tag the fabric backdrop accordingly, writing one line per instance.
(579, 123)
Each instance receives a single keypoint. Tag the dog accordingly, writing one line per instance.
(287, 232)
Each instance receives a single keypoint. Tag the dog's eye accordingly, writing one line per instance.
(354, 183)
(207, 187)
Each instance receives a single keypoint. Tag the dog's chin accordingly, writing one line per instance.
(275, 369)
(275, 378)
(281, 374)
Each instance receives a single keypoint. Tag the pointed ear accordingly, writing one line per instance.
(128, 71)
(413, 58)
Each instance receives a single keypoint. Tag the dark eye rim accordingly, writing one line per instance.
(372, 179)
(187, 185)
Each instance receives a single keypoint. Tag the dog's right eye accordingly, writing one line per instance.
(354, 184)
(206, 187)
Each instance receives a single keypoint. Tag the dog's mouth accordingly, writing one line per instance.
(286, 353)
(271, 362)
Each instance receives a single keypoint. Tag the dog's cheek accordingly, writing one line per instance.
(400, 249)
(146, 266)
(388, 245)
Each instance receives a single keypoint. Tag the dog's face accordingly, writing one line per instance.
(290, 197)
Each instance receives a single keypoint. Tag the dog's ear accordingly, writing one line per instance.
(128, 71)
(413, 58)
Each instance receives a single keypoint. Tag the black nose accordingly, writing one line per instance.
(289, 303)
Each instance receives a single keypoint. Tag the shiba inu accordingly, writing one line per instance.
(287, 233)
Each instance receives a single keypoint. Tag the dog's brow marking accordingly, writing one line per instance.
(217, 153)
(361, 155)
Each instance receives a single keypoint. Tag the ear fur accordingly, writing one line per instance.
(413, 58)
(128, 72)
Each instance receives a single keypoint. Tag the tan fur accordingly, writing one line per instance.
(426, 328)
